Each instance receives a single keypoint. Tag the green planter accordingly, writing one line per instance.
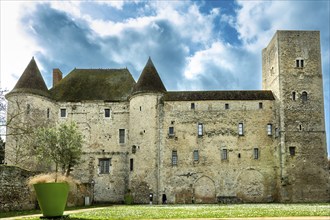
(52, 198)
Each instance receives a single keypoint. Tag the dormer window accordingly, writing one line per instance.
(299, 63)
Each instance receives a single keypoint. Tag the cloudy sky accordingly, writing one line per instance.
(195, 45)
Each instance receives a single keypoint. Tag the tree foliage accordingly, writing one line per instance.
(61, 145)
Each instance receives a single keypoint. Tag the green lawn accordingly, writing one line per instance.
(204, 211)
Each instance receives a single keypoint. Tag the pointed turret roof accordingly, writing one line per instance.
(149, 80)
(31, 81)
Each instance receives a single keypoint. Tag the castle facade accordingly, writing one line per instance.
(189, 146)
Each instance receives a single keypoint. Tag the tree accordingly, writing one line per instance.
(61, 145)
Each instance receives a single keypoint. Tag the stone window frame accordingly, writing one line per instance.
(292, 151)
(196, 155)
(200, 129)
(122, 136)
(300, 63)
(174, 159)
(256, 153)
(104, 165)
(224, 154)
(107, 113)
(241, 129)
(63, 113)
(269, 129)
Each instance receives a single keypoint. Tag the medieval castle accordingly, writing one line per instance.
(190, 146)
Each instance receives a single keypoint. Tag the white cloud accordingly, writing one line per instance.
(16, 49)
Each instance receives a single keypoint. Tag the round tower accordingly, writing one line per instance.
(29, 107)
(144, 135)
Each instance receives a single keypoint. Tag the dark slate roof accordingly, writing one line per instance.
(149, 80)
(219, 95)
(94, 84)
(31, 81)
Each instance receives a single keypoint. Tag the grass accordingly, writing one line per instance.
(203, 211)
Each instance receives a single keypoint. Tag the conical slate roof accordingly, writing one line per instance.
(149, 80)
(31, 81)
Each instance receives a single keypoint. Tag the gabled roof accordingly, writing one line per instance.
(219, 95)
(149, 80)
(31, 81)
(94, 84)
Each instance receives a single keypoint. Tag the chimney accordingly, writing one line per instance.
(57, 76)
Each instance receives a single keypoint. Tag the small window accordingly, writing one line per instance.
(224, 155)
(304, 96)
(131, 164)
(140, 108)
(121, 136)
(260, 105)
(171, 131)
(200, 129)
(294, 96)
(104, 166)
(269, 129)
(239, 155)
(192, 106)
(196, 155)
(256, 153)
(63, 112)
(133, 149)
(107, 113)
(226, 106)
(48, 113)
(240, 129)
(28, 109)
(299, 63)
(174, 158)
(277, 132)
(292, 151)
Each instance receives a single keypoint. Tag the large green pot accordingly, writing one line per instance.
(52, 198)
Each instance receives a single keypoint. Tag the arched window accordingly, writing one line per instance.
(304, 96)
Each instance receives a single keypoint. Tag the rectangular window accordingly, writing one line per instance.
(131, 164)
(293, 96)
(299, 63)
(256, 153)
(260, 105)
(171, 131)
(107, 113)
(174, 158)
(121, 136)
(277, 132)
(192, 105)
(28, 109)
(196, 155)
(48, 112)
(63, 112)
(224, 155)
(269, 129)
(200, 129)
(226, 106)
(292, 151)
(240, 129)
(104, 166)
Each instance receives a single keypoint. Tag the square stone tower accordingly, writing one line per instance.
(292, 70)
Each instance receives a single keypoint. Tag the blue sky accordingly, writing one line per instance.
(195, 45)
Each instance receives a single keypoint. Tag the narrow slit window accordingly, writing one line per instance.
(256, 153)
(224, 154)
(174, 158)
(48, 113)
(240, 129)
(293, 96)
(171, 131)
(196, 155)
(121, 136)
(28, 109)
(200, 129)
(269, 129)
(131, 164)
